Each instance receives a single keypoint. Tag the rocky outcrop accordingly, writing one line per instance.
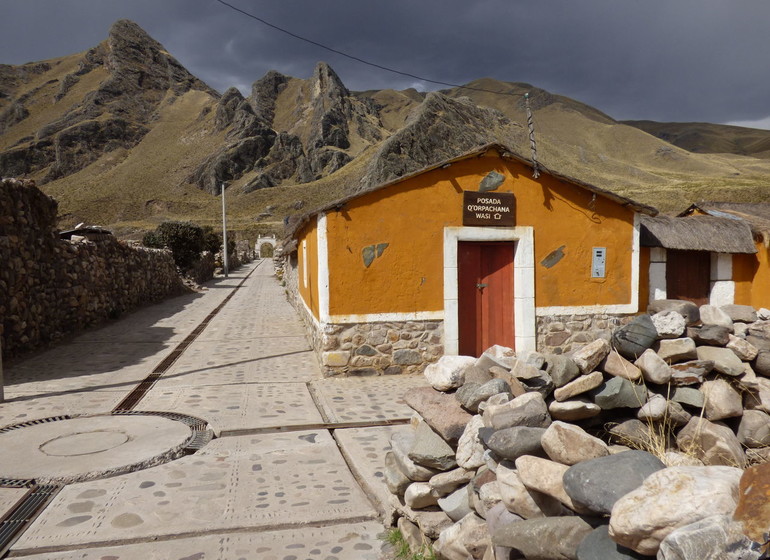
(329, 120)
(439, 129)
(140, 74)
(605, 456)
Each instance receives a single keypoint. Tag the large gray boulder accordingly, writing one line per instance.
(544, 538)
(635, 337)
(430, 450)
(740, 313)
(511, 443)
(620, 393)
(599, 546)
(599, 483)
(562, 369)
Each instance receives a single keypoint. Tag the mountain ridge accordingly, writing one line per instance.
(123, 135)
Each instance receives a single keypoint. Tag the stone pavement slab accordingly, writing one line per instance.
(356, 399)
(365, 449)
(21, 406)
(173, 319)
(354, 541)
(77, 366)
(207, 362)
(229, 408)
(9, 497)
(270, 481)
(89, 446)
(259, 308)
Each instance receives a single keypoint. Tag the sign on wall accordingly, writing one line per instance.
(598, 262)
(489, 209)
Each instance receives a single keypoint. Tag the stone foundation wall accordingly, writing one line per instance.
(50, 287)
(381, 348)
(561, 334)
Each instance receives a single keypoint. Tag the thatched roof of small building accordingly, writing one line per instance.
(756, 214)
(697, 233)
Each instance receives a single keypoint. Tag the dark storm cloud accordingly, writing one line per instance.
(679, 60)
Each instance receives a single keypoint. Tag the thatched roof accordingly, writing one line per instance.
(756, 214)
(697, 233)
(505, 152)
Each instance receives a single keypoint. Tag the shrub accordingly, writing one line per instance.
(186, 240)
(212, 240)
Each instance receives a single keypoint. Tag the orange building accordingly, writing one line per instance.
(713, 252)
(459, 256)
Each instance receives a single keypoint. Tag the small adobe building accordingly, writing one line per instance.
(713, 252)
(464, 254)
(699, 258)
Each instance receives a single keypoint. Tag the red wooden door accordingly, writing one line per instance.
(688, 275)
(485, 296)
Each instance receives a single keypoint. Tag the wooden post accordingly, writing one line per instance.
(1, 374)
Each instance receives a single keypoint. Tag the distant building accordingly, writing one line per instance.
(459, 256)
(713, 252)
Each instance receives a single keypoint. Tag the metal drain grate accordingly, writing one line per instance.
(34, 423)
(191, 421)
(133, 398)
(16, 483)
(23, 513)
(198, 441)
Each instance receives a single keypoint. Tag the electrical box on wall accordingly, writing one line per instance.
(598, 262)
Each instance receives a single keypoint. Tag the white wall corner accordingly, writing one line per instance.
(657, 281)
(722, 292)
(721, 266)
(323, 269)
(657, 254)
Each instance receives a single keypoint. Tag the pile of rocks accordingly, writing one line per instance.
(630, 448)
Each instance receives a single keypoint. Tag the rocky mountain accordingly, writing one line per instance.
(123, 135)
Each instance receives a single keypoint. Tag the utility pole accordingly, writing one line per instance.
(224, 231)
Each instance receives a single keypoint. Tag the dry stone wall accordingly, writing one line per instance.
(653, 442)
(50, 287)
(560, 334)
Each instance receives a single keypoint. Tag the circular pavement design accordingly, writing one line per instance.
(68, 450)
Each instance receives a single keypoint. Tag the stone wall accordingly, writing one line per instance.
(50, 287)
(386, 348)
(381, 348)
(561, 334)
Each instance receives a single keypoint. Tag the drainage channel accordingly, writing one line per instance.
(133, 398)
(24, 512)
(38, 496)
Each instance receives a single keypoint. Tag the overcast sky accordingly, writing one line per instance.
(664, 60)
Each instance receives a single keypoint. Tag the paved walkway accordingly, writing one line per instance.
(285, 465)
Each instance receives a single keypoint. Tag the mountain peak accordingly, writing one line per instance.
(327, 83)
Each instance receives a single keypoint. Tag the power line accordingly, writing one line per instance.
(361, 60)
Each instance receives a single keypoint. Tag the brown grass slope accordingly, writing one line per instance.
(133, 175)
(707, 138)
